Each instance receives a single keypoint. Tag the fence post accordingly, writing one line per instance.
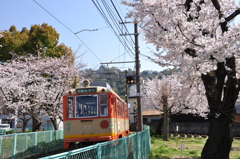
(0, 146)
(125, 147)
(99, 151)
(35, 143)
(137, 145)
(45, 142)
(62, 136)
(115, 152)
(149, 140)
(26, 144)
(14, 146)
(51, 140)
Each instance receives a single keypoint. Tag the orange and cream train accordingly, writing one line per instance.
(93, 114)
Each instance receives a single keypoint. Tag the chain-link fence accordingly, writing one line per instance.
(135, 146)
(22, 145)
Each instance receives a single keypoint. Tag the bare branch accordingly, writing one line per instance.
(233, 15)
(216, 5)
(187, 4)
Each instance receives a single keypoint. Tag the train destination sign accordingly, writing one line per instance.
(86, 90)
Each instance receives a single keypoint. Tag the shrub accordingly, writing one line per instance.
(9, 132)
(152, 131)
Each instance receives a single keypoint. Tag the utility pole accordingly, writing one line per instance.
(126, 88)
(138, 84)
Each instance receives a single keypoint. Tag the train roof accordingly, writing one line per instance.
(101, 84)
(95, 87)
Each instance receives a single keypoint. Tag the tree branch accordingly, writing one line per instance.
(233, 15)
(187, 4)
(216, 5)
(191, 41)
(158, 23)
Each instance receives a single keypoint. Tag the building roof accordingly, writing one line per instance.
(152, 112)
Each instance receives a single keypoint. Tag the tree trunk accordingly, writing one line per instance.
(159, 126)
(165, 125)
(54, 122)
(36, 123)
(220, 138)
(24, 122)
(222, 91)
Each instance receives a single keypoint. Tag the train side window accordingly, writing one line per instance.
(119, 108)
(70, 107)
(126, 111)
(103, 105)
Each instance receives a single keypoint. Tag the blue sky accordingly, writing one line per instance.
(74, 15)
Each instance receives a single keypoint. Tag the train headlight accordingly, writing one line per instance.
(104, 124)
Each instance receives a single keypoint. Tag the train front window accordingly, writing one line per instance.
(70, 107)
(103, 105)
(86, 106)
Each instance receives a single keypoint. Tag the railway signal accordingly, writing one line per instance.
(130, 80)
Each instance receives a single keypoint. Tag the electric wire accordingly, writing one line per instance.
(113, 18)
(120, 56)
(144, 57)
(68, 29)
(123, 42)
(122, 21)
(123, 24)
(115, 22)
(98, 6)
(147, 58)
(107, 21)
(131, 43)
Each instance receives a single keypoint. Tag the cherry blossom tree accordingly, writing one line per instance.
(34, 86)
(62, 75)
(202, 38)
(173, 96)
(19, 94)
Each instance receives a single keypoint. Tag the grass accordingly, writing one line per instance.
(191, 148)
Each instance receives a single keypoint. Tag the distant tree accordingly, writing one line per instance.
(145, 73)
(117, 79)
(173, 96)
(113, 76)
(40, 38)
(12, 41)
(169, 71)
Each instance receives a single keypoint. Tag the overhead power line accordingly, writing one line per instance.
(68, 29)
(112, 19)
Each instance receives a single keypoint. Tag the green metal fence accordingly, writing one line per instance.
(2, 131)
(135, 146)
(15, 130)
(22, 145)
